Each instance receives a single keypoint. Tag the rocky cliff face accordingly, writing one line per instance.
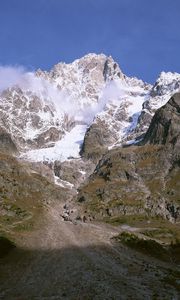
(140, 180)
(6, 143)
(164, 128)
(31, 122)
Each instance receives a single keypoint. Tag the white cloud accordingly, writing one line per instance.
(64, 103)
(10, 76)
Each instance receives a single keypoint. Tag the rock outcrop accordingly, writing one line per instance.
(6, 143)
(165, 86)
(164, 128)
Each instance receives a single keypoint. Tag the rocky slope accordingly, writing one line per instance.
(25, 193)
(140, 180)
(66, 261)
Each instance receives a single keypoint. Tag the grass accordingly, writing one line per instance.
(25, 226)
(14, 213)
(132, 220)
(14, 208)
(23, 196)
(155, 228)
(116, 220)
(173, 187)
(146, 246)
(168, 234)
(150, 247)
(147, 162)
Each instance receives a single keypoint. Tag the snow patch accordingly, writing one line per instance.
(67, 148)
(82, 172)
(62, 183)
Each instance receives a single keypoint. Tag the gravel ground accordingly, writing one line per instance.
(63, 260)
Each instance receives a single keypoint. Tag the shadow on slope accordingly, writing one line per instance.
(85, 273)
(5, 246)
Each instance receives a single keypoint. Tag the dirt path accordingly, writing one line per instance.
(68, 261)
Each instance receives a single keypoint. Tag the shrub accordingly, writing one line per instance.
(5, 246)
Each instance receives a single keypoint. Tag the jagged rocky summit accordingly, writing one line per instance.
(50, 112)
(49, 104)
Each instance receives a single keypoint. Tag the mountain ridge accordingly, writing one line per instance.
(78, 112)
(47, 105)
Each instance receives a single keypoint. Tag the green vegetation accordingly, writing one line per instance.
(139, 220)
(148, 247)
(25, 226)
(152, 227)
(166, 234)
(151, 247)
(23, 196)
(131, 220)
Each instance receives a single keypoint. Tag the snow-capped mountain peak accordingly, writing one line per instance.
(168, 77)
(44, 106)
(166, 83)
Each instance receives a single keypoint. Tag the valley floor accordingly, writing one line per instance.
(63, 260)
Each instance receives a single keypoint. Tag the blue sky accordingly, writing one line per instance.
(143, 36)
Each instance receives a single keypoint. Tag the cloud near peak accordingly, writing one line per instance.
(64, 103)
(10, 76)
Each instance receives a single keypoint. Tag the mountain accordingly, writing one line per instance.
(83, 147)
(76, 110)
(50, 112)
(86, 115)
